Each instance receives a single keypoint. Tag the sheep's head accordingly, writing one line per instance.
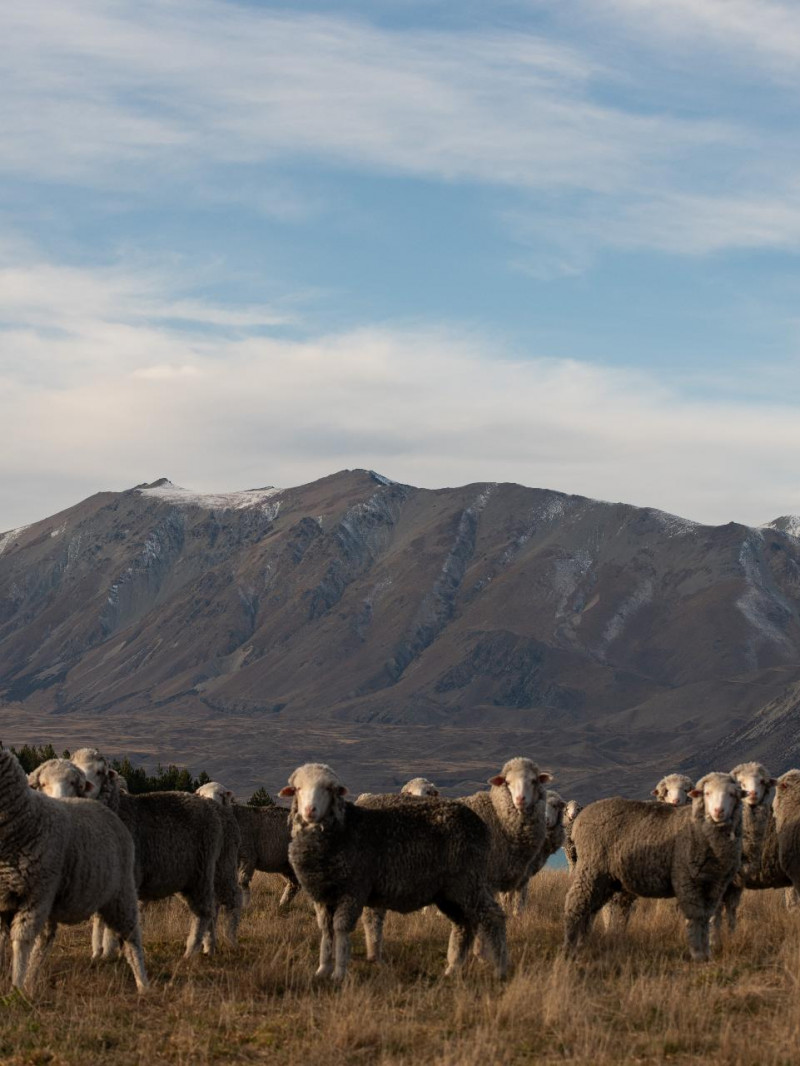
(60, 779)
(524, 781)
(217, 792)
(717, 798)
(571, 811)
(419, 786)
(96, 768)
(674, 789)
(554, 812)
(316, 792)
(756, 782)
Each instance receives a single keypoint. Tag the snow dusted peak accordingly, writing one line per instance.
(673, 525)
(787, 523)
(9, 538)
(163, 489)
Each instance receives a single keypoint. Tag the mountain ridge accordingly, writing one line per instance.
(387, 621)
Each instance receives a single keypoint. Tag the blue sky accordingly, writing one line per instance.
(547, 242)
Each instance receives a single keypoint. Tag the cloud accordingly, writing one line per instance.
(134, 400)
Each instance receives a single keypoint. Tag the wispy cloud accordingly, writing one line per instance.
(430, 406)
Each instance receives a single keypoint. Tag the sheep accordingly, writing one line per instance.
(571, 812)
(60, 778)
(657, 850)
(674, 789)
(419, 786)
(515, 902)
(760, 868)
(514, 811)
(264, 841)
(183, 844)
(61, 860)
(786, 807)
(399, 853)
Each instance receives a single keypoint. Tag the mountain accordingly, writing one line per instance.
(395, 631)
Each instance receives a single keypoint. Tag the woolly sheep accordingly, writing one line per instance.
(61, 860)
(515, 902)
(786, 807)
(674, 789)
(400, 853)
(657, 850)
(419, 786)
(514, 811)
(264, 841)
(760, 868)
(183, 844)
(60, 779)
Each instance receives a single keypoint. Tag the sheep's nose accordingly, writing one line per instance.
(718, 812)
(310, 812)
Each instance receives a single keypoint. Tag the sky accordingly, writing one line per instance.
(552, 243)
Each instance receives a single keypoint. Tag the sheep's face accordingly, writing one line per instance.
(554, 809)
(673, 789)
(60, 779)
(720, 795)
(524, 781)
(213, 790)
(788, 784)
(756, 782)
(314, 788)
(571, 811)
(95, 767)
(419, 786)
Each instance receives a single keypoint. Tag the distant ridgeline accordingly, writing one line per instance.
(169, 778)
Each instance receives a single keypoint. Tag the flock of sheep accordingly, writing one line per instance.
(74, 844)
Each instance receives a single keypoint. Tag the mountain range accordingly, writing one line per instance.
(393, 631)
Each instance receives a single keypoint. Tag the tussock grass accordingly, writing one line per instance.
(636, 1000)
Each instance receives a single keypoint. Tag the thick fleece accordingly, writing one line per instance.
(655, 850)
(61, 861)
(400, 853)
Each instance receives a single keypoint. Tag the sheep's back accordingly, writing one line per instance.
(177, 837)
(633, 841)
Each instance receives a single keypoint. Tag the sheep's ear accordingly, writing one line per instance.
(498, 780)
(341, 790)
(88, 788)
(545, 777)
(772, 782)
(288, 790)
(112, 775)
(782, 784)
(434, 792)
(654, 792)
(228, 794)
(695, 793)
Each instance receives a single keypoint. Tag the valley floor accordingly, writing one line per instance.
(635, 1001)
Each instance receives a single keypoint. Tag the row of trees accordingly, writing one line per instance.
(170, 778)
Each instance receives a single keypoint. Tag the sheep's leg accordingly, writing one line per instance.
(325, 923)
(290, 890)
(617, 912)
(698, 934)
(25, 927)
(462, 936)
(373, 933)
(202, 930)
(245, 876)
(97, 937)
(230, 896)
(587, 894)
(121, 917)
(38, 956)
(111, 943)
(492, 935)
(344, 922)
(791, 898)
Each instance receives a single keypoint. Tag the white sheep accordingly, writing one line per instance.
(419, 786)
(60, 779)
(674, 789)
(515, 902)
(61, 860)
(571, 812)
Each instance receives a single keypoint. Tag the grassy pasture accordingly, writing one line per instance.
(636, 1001)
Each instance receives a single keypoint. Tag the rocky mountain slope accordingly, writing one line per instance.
(392, 630)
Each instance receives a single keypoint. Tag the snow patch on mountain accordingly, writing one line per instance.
(673, 525)
(7, 539)
(215, 501)
(759, 605)
(787, 523)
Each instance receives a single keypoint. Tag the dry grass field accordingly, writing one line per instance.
(636, 1001)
